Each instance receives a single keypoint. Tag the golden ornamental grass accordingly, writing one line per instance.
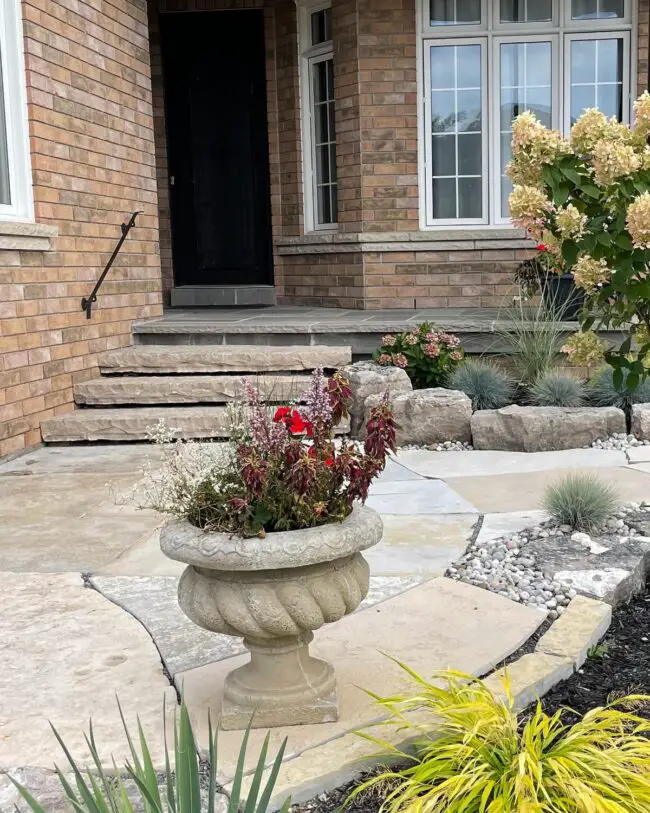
(476, 757)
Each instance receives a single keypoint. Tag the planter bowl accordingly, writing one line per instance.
(274, 592)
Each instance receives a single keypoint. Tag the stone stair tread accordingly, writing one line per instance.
(151, 359)
(188, 389)
(131, 424)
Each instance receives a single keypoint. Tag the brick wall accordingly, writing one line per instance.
(328, 280)
(91, 133)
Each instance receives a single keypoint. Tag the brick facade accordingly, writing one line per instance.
(92, 154)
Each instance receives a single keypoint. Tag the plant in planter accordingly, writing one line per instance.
(588, 201)
(428, 355)
(272, 535)
(540, 274)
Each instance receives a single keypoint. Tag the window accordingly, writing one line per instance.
(15, 172)
(485, 61)
(319, 134)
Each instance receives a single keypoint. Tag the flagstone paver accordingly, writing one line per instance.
(638, 454)
(520, 492)
(70, 648)
(495, 525)
(443, 465)
(439, 624)
(66, 653)
(417, 497)
(183, 645)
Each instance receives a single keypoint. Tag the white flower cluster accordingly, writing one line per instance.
(170, 482)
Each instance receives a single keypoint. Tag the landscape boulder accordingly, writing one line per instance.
(544, 429)
(641, 421)
(369, 379)
(430, 416)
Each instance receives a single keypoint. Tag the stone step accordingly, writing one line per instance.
(151, 359)
(132, 424)
(185, 389)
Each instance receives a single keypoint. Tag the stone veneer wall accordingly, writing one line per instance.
(92, 153)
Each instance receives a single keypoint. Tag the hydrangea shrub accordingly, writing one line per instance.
(428, 355)
(586, 200)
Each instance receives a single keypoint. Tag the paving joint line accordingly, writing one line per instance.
(90, 585)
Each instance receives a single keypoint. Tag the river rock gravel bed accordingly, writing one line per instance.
(619, 442)
(522, 566)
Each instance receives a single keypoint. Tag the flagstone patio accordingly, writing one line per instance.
(88, 607)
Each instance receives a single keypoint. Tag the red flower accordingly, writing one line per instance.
(296, 425)
(329, 462)
(282, 414)
(541, 247)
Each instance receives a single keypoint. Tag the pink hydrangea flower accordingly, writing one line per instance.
(455, 355)
(389, 341)
(384, 358)
(432, 350)
(400, 360)
(411, 339)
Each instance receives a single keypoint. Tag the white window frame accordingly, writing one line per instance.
(623, 34)
(495, 109)
(428, 146)
(491, 32)
(309, 56)
(12, 54)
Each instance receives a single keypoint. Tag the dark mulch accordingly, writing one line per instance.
(619, 665)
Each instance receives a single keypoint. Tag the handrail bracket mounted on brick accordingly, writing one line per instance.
(87, 303)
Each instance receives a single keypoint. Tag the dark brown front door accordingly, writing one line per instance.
(217, 145)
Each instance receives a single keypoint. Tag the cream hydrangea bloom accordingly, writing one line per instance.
(642, 116)
(528, 208)
(570, 221)
(584, 349)
(533, 145)
(589, 129)
(613, 160)
(589, 273)
(638, 220)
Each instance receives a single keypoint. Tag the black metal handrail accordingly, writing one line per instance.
(87, 303)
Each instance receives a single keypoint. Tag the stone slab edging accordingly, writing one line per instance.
(558, 654)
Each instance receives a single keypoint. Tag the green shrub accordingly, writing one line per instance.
(601, 390)
(476, 757)
(485, 384)
(427, 354)
(582, 501)
(555, 389)
(178, 790)
(532, 336)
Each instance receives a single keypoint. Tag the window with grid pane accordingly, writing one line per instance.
(456, 123)
(486, 61)
(319, 128)
(15, 174)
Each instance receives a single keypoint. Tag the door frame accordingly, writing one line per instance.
(267, 278)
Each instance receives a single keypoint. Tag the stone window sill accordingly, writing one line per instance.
(26, 236)
(439, 240)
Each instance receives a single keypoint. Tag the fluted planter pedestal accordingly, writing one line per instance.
(274, 592)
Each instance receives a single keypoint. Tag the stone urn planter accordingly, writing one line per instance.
(274, 592)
